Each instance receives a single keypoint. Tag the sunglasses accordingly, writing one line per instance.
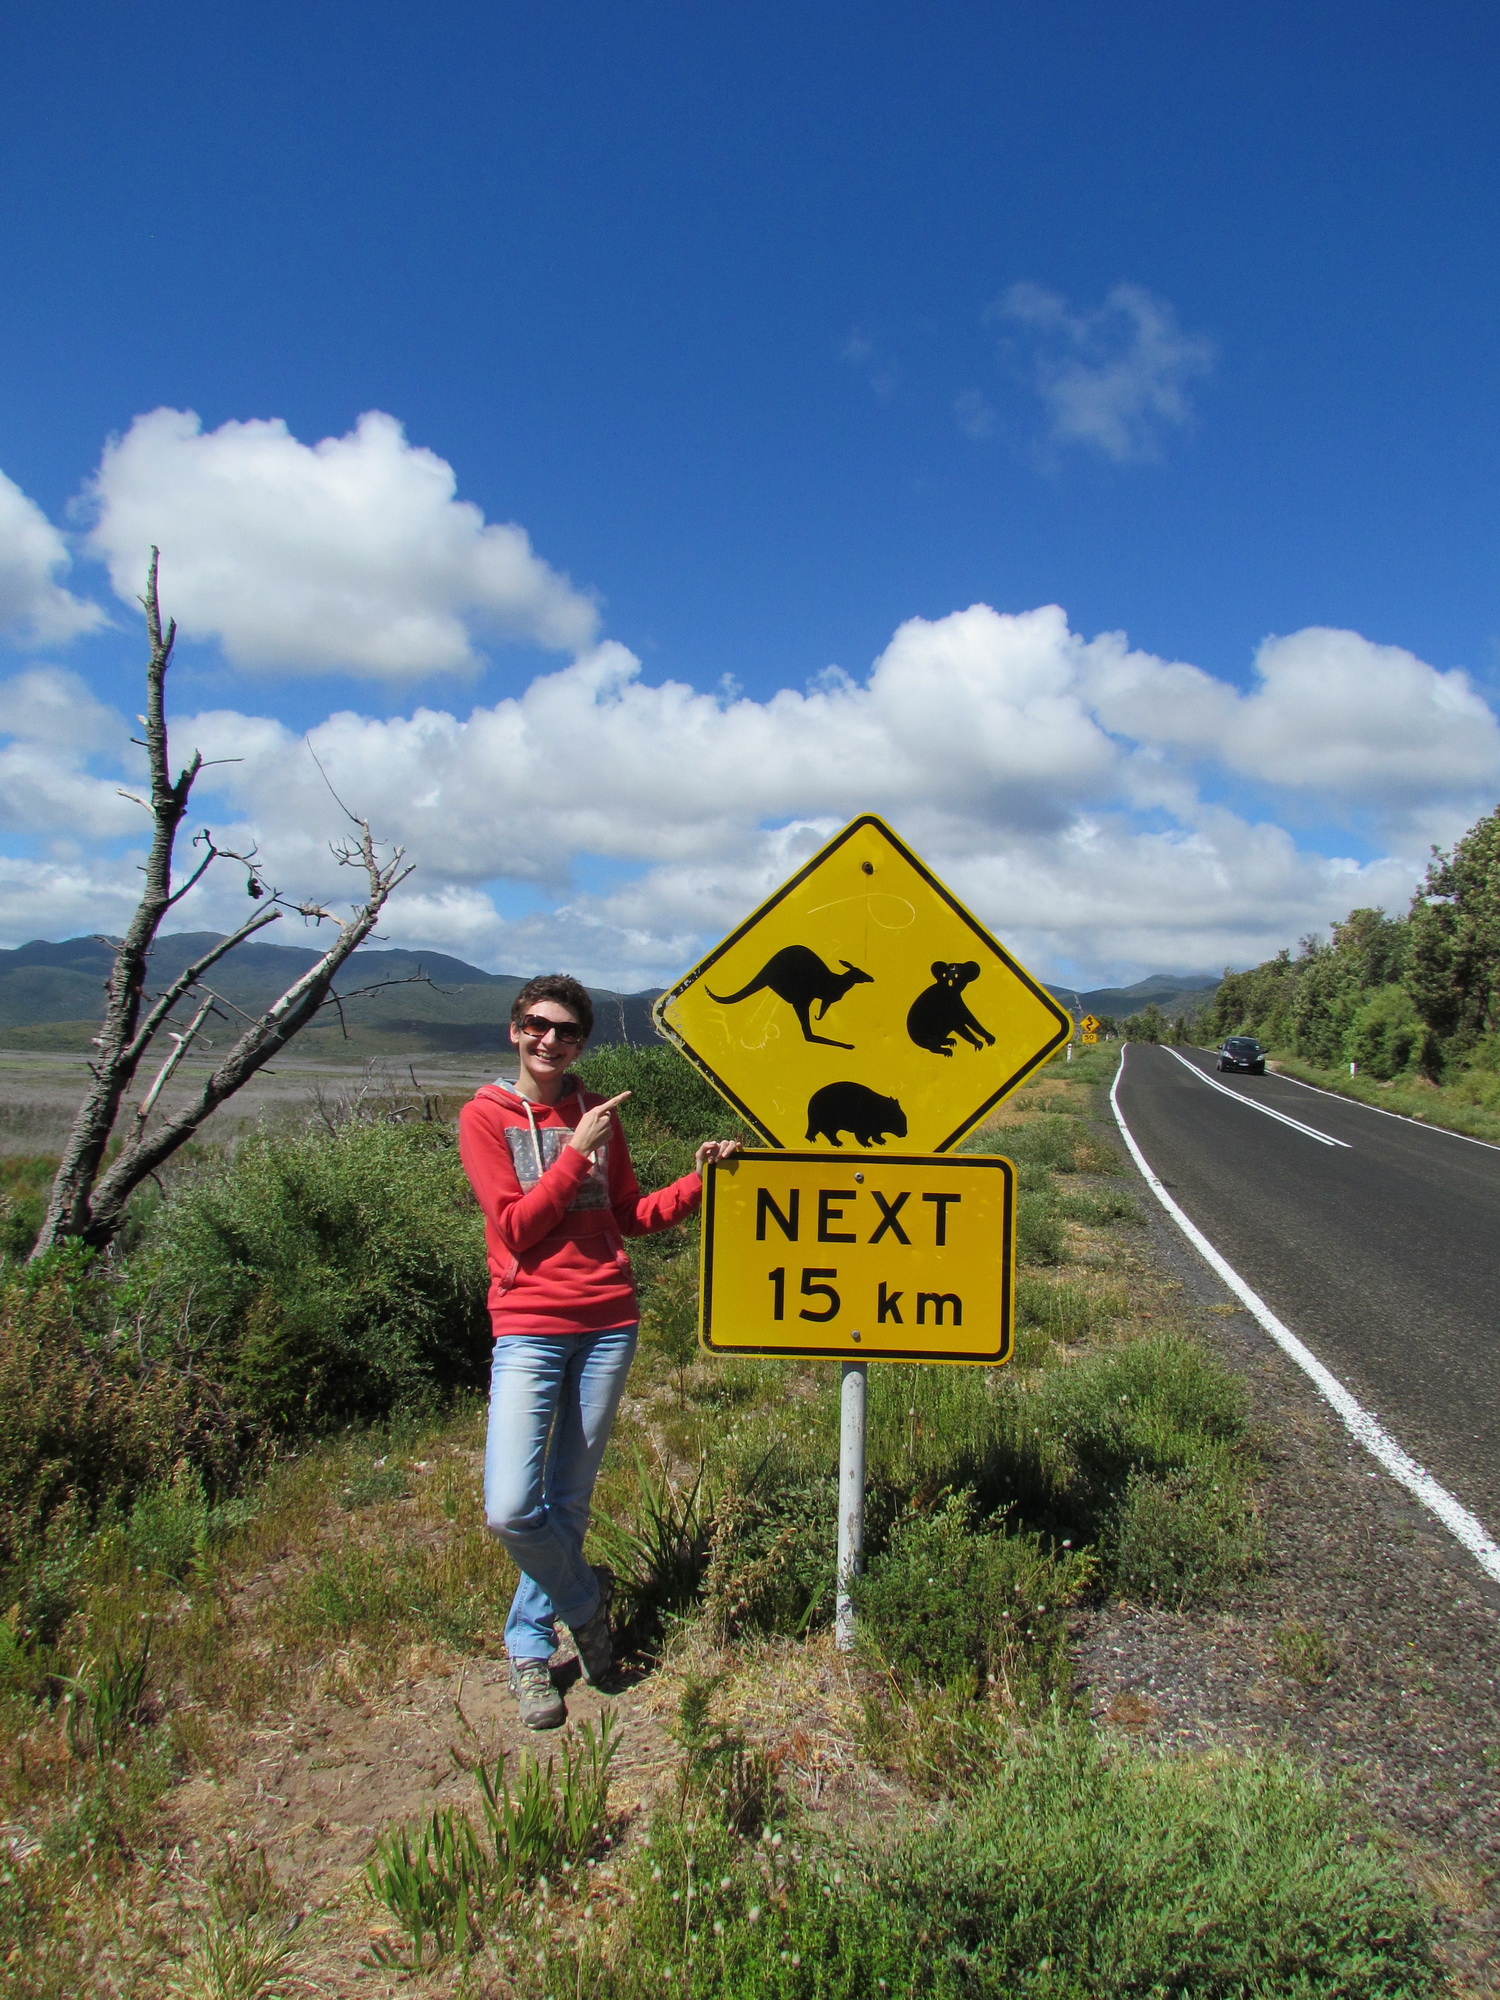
(539, 1027)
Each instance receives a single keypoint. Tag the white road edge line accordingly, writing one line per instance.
(1401, 1118)
(1281, 1118)
(1402, 1467)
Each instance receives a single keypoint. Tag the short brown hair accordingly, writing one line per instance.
(558, 986)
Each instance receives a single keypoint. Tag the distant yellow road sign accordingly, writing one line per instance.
(863, 1003)
(1089, 1026)
(1087, 1038)
(871, 1257)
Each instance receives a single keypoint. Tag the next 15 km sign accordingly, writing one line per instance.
(876, 1257)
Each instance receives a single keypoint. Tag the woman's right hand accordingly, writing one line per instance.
(592, 1128)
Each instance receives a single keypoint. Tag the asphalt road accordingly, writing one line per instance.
(1381, 1253)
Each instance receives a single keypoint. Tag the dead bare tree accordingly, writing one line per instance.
(88, 1201)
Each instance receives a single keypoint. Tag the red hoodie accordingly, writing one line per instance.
(554, 1220)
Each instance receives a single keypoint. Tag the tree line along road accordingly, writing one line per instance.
(1373, 1239)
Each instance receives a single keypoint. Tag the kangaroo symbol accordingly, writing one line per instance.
(940, 1011)
(799, 977)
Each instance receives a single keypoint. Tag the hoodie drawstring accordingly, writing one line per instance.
(536, 1144)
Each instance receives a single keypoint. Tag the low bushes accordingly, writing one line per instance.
(773, 1550)
(950, 1606)
(88, 1420)
(332, 1277)
(1130, 1464)
(25, 1183)
(1140, 1449)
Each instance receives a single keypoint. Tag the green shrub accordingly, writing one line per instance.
(1081, 1872)
(1098, 1207)
(1153, 1434)
(1064, 1312)
(773, 1550)
(1386, 1034)
(1051, 1139)
(1306, 1653)
(658, 1546)
(173, 1527)
(1181, 1537)
(948, 1605)
(25, 1183)
(1039, 1229)
(335, 1276)
(87, 1423)
(669, 1315)
(1129, 1447)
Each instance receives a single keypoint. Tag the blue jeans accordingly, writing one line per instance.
(553, 1399)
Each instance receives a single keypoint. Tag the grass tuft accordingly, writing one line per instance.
(446, 1882)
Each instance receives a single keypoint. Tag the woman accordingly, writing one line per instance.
(548, 1162)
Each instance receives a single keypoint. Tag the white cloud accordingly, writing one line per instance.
(34, 607)
(972, 719)
(1113, 378)
(54, 724)
(56, 898)
(352, 555)
(1337, 714)
(1072, 790)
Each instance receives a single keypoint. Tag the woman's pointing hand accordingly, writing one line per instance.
(592, 1128)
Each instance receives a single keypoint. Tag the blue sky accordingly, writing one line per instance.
(776, 329)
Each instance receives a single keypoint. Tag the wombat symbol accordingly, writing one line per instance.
(939, 1013)
(849, 1107)
(799, 977)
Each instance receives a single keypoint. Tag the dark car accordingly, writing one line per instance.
(1243, 1052)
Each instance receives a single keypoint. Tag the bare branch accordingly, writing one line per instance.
(186, 980)
(354, 817)
(183, 1041)
(380, 986)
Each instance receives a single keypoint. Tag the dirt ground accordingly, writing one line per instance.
(310, 1791)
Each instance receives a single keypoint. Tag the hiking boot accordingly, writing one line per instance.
(540, 1703)
(595, 1643)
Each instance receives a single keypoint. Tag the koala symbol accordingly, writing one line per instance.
(940, 1013)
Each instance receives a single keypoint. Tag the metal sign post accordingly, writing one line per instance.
(853, 1386)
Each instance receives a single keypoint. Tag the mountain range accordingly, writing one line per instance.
(52, 996)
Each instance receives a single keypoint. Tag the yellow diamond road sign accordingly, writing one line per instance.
(861, 1005)
(882, 1257)
(1089, 1024)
